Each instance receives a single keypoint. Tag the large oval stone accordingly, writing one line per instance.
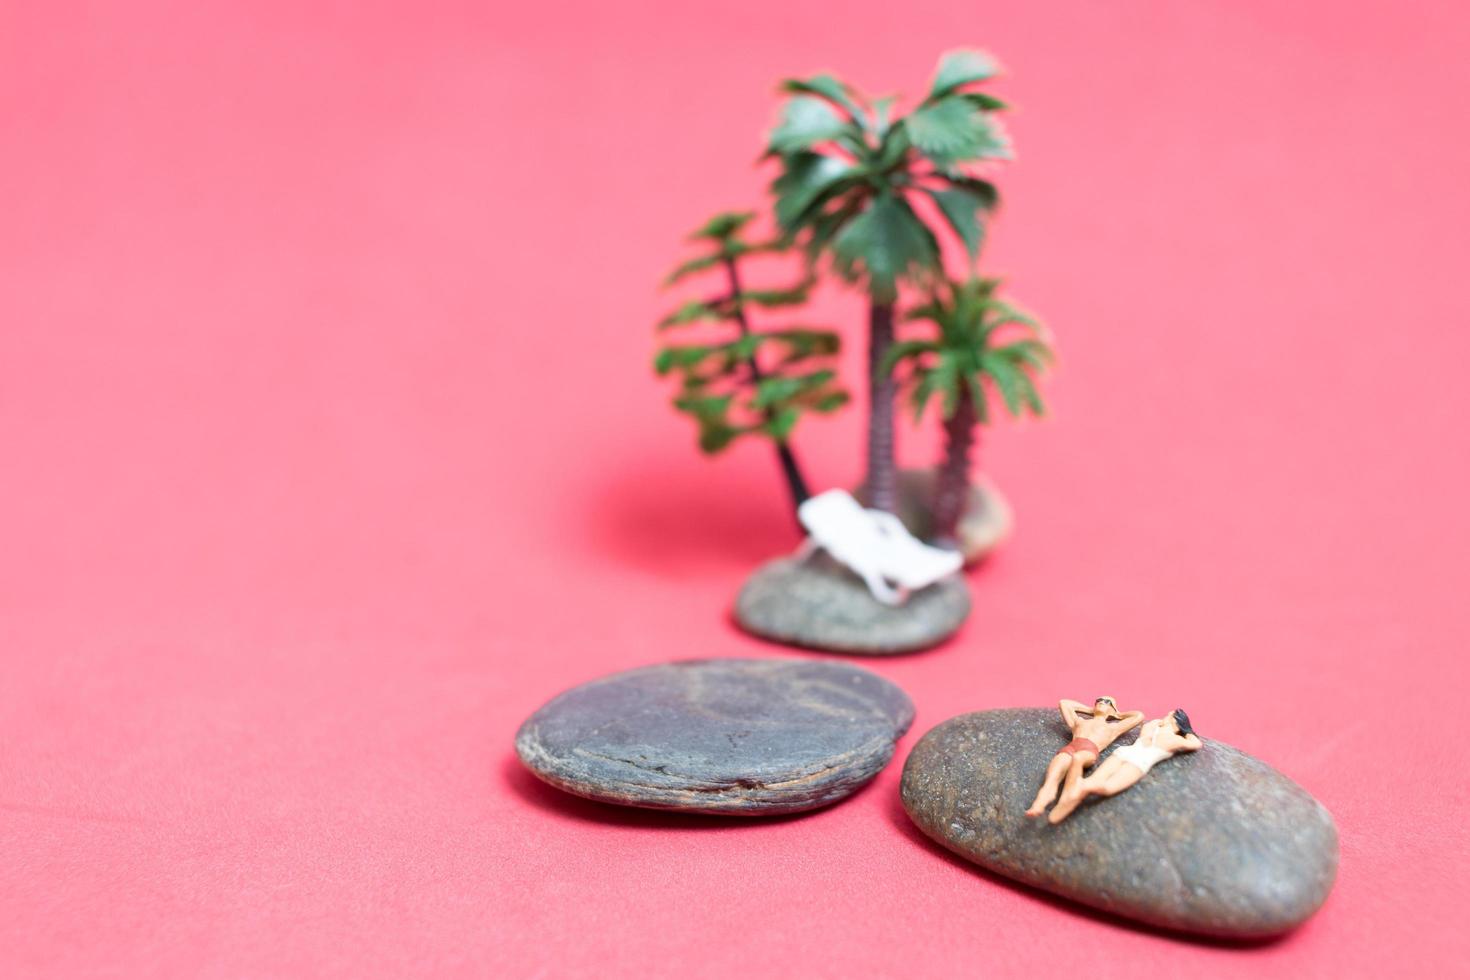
(719, 736)
(1212, 842)
(817, 603)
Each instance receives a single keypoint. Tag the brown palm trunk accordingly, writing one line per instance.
(881, 483)
(796, 483)
(952, 488)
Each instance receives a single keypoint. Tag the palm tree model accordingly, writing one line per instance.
(724, 384)
(849, 173)
(978, 341)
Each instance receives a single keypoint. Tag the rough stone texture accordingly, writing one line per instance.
(820, 604)
(1213, 842)
(984, 526)
(746, 737)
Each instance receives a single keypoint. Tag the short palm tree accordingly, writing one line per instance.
(751, 382)
(850, 172)
(979, 342)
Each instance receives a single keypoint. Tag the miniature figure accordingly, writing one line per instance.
(1160, 739)
(1093, 729)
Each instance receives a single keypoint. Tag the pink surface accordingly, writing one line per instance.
(330, 451)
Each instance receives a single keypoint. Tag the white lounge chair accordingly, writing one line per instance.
(875, 545)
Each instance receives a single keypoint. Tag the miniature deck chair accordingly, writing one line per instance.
(874, 545)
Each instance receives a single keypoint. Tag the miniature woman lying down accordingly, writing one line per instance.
(1157, 741)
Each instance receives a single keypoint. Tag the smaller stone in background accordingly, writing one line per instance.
(817, 603)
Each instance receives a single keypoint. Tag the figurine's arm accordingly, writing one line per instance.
(1069, 711)
(1129, 721)
(1182, 743)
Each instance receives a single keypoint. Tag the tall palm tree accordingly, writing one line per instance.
(979, 341)
(850, 173)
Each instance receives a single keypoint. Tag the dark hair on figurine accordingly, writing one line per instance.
(1182, 720)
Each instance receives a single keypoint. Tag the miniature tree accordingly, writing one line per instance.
(849, 174)
(752, 382)
(979, 339)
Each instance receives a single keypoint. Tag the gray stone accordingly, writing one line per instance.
(818, 603)
(1212, 842)
(984, 526)
(745, 737)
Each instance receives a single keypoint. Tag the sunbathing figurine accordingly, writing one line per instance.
(1093, 729)
(1160, 739)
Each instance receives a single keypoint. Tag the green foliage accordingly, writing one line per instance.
(826, 87)
(745, 382)
(684, 270)
(961, 207)
(980, 342)
(960, 68)
(888, 241)
(793, 296)
(953, 131)
(849, 170)
(809, 180)
(724, 226)
(807, 121)
(692, 311)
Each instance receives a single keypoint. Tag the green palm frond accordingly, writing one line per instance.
(833, 90)
(849, 169)
(724, 226)
(981, 343)
(744, 381)
(960, 68)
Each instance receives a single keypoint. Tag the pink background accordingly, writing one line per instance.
(330, 451)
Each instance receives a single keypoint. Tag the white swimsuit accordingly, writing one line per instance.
(1143, 754)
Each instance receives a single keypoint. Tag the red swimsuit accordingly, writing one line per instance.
(1081, 745)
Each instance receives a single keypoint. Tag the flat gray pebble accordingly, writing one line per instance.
(817, 603)
(1213, 842)
(748, 737)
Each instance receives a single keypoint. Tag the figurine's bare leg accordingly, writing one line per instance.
(1080, 761)
(1099, 776)
(1055, 770)
(1070, 801)
(1112, 779)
